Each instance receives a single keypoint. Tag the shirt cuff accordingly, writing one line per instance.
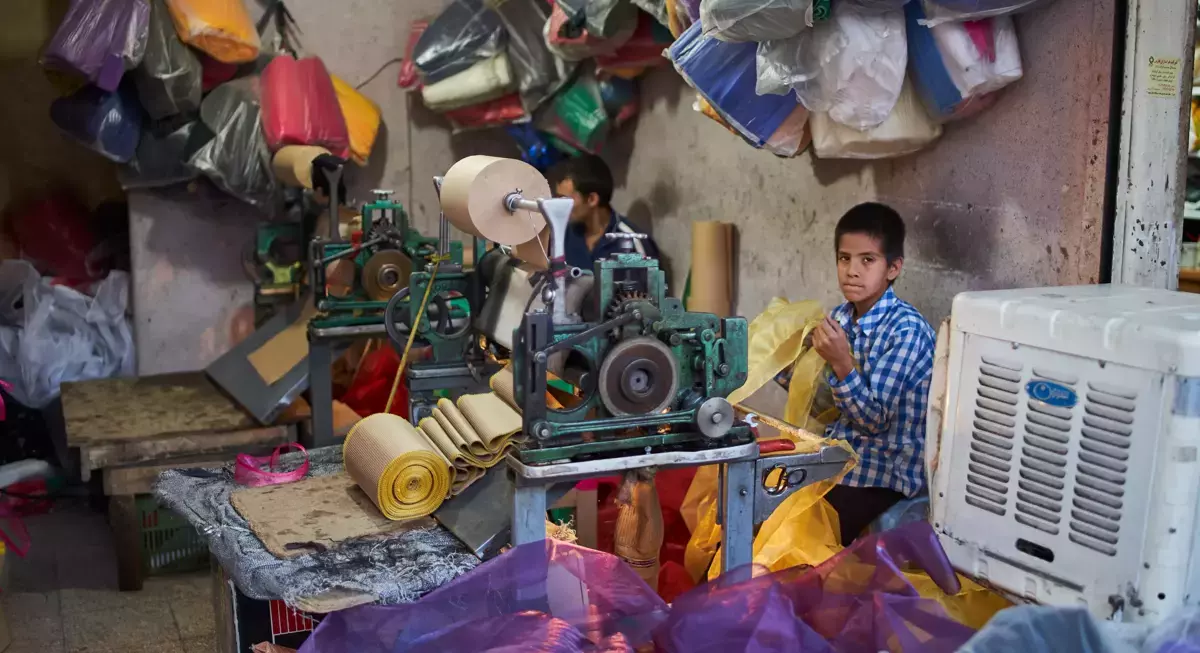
(847, 387)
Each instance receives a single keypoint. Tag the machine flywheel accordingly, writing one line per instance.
(385, 273)
(638, 377)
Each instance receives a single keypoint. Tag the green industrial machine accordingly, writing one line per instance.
(353, 281)
(276, 264)
(648, 374)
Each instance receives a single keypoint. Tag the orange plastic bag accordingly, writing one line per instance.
(362, 119)
(220, 28)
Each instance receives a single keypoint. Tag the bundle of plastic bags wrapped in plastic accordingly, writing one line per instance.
(300, 106)
(723, 75)
(168, 81)
(232, 152)
(100, 40)
(109, 123)
(559, 597)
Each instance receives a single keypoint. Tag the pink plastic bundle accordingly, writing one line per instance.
(300, 106)
(256, 471)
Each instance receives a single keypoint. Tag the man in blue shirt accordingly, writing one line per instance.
(588, 181)
(880, 354)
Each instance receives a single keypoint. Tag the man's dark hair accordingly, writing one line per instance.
(589, 173)
(878, 221)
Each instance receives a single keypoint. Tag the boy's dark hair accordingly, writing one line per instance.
(878, 221)
(589, 173)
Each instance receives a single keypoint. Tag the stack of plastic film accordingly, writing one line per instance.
(723, 75)
(543, 596)
(232, 152)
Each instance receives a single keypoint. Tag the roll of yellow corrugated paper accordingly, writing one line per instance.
(402, 472)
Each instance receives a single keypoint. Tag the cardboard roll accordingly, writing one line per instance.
(385, 273)
(638, 377)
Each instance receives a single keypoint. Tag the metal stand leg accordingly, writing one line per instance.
(320, 384)
(737, 546)
(528, 513)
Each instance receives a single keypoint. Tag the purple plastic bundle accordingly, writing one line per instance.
(859, 601)
(100, 39)
(536, 597)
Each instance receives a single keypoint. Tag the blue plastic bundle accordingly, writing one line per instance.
(724, 74)
(108, 122)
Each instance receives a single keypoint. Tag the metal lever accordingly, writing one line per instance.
(443, 224)
(796, 471)
(557, 213)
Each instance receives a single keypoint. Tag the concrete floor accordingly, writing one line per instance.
(62, 597)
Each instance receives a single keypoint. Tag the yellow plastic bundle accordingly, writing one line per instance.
(362, 119)
(221, 28)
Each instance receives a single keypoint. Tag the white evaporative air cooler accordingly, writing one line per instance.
(1063, 437)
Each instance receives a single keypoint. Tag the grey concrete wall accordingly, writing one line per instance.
(1010, 198)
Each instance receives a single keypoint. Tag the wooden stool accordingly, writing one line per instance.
(131, 429)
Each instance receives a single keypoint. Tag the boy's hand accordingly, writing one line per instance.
(831, 344)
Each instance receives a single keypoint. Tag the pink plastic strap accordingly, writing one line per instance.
(983, 36)
(256, 471)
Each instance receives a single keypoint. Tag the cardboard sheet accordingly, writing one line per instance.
(295, 519)
(286, 350)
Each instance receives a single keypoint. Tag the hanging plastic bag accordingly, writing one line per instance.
(724, 75)
(535, 149)
(109, 123)
(64, 335)
(577, 119)
(410, 76)
(603, 19)
(569, 39)
(362, 119)
(220, 28)
(851, 66)
(161, 160)
(538, 72)
(169, 79)
(234, 155)
(907, 130)
(642, 51)
(957, 66)
(214, 73)
(486, 80)
(938, 12)
(754, 20)
(100, 40)
(496, 113)
(464, 34)
(300, 106)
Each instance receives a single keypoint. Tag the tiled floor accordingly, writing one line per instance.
(62, 597)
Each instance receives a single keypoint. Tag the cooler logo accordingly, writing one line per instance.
(1055, 394)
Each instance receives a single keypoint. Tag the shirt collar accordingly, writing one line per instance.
(844, 314)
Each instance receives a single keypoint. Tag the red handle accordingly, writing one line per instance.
(775, 446)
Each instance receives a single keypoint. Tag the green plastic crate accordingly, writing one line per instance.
(169, 543)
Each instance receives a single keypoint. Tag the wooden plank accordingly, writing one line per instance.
(140, 479)
(139, 408)
(295, 519)
(1151, 161)
(131, 453)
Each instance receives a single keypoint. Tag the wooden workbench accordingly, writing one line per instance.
(132, 429)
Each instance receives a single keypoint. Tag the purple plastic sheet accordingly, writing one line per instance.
(859, 601)
(100, 39)
(559, 597)
(537, 597)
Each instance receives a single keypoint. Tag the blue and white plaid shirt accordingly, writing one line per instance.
(883, 408)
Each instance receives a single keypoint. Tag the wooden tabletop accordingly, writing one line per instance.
(148, 407)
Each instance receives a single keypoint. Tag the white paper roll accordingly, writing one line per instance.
(473, 193)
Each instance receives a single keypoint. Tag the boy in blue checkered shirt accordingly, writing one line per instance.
(880, 355)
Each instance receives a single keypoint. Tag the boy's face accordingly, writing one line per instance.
(863, 270)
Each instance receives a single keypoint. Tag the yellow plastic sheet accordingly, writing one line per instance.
(220, 28)
(804, 530)
(362, 119)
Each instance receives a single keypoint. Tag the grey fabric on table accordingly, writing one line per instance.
(397, 570)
